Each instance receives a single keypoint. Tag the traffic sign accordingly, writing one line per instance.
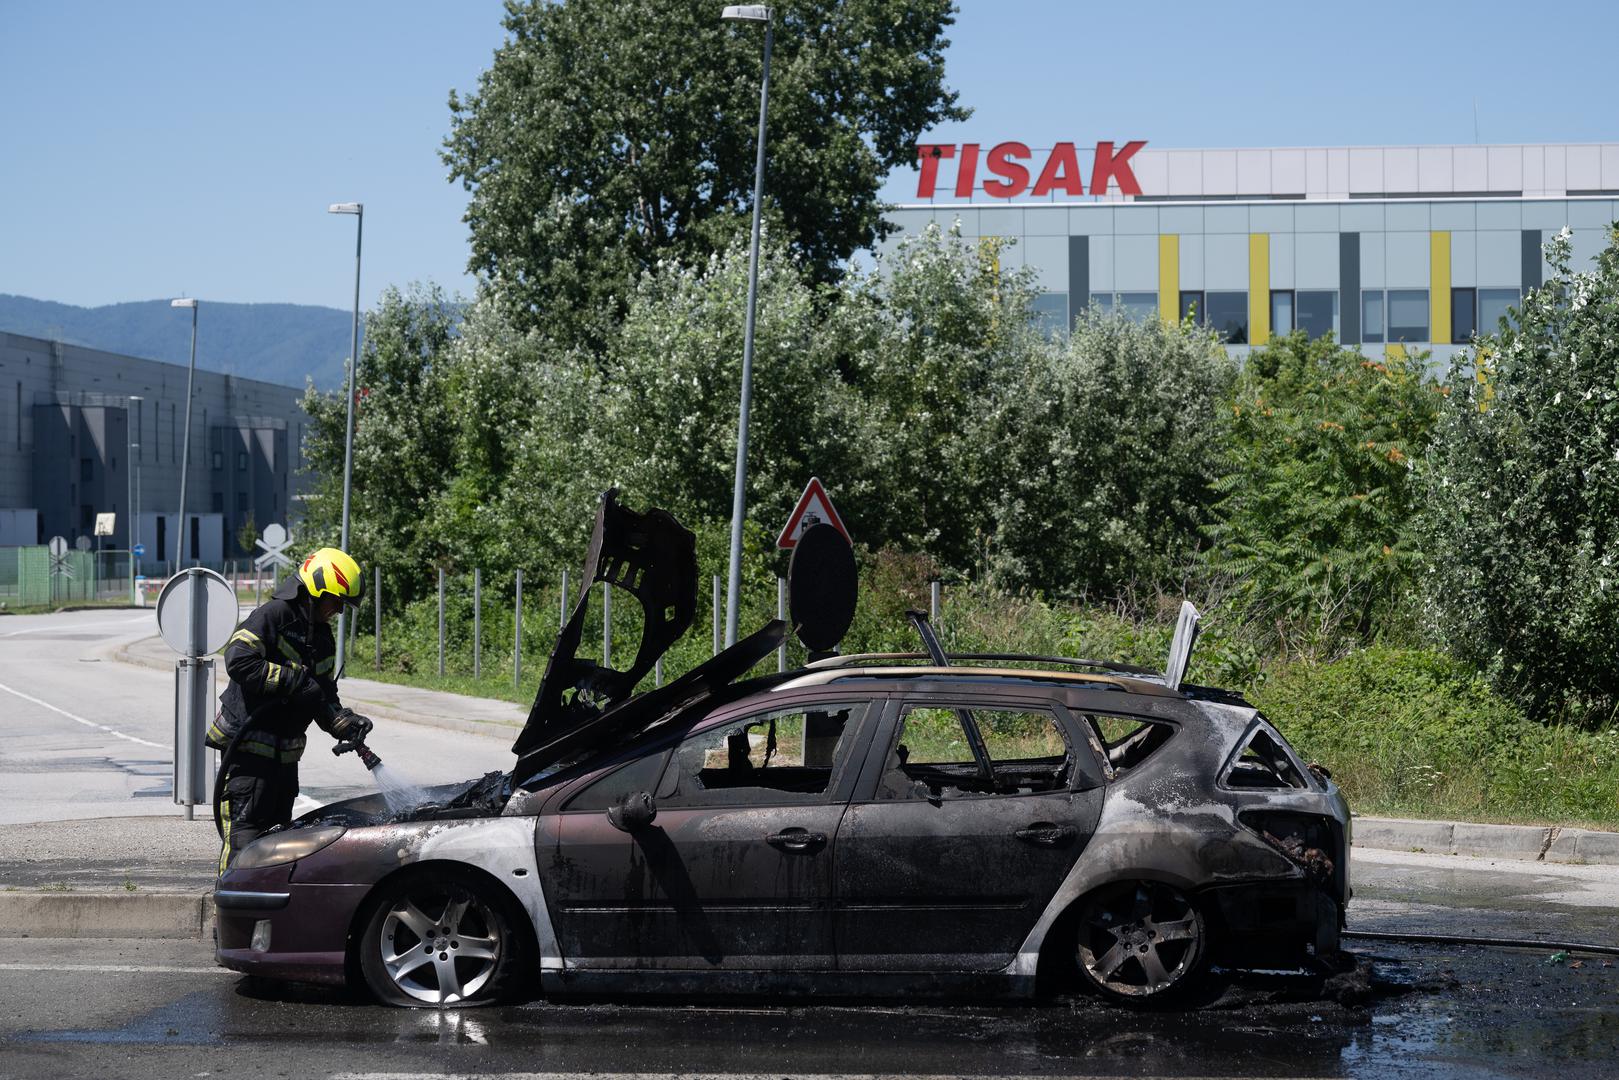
(196, 612)
(822, 585)
(105, 523)
(140, 549)
(60, 567)
(58, 546)
(274, 542)
(84, 543)
(814, 506)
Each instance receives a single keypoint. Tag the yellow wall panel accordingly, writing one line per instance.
(1439, 287)
(1169, 278)
(1258, 288)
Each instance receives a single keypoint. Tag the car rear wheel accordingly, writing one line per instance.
(1140, 941)
(434, 942)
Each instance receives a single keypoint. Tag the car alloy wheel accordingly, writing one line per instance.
(432, 942)
(1139, 940)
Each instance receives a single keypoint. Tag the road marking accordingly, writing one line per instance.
(120, 969)
(784, 1075)
(81, 720)
(60, 627)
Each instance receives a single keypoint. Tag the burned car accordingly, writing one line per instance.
(924, 823)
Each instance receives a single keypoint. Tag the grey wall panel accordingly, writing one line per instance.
(1500, 258)
(1000, 221)
(1079, 275)
(1101, 275)
(1361, 217)
(1585, 246)
(1225, 219)
(1530, 256)
(1349, 287)
(1547, 215)
(1045, 221)
(1500, 214)
(1225, 261)
(1316, 260)
(1271, 219)
(1590, 213)
(1135, 220)
(1454, 215)
(1282, 260)
(1090, 220)
(1049, 256)
(1406, 256)
(1135, 263)
(1464, 258)
(1317, 218)
(1407, 217)
(1192, 260)
(1180, 220)
(1372, 250)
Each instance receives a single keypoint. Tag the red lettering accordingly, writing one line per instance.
(967, 170)
(1061, 172)
(1001, 164)
(928, 155)
(1115, 167)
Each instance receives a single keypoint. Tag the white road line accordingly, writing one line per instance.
(82, 720)
(783, 1075)
(120, 969)
(73, 626)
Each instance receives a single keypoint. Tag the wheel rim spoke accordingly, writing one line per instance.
(1153, 967)
(1180, 930)
(419, 924)
(449, 981)
(478, 948)
(1108, 963)
(454, 911)
(401, 966)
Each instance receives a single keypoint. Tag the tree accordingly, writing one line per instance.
(248, 534)
(1318, 489)
(1522, 490)
(610, 134)
(1105, 454)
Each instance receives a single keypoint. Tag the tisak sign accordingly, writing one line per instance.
(1010, 168)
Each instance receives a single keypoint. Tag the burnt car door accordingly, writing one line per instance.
(969, 814)
(734, 868)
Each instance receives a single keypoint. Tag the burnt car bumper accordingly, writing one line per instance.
(1273, 924)
(271, 926)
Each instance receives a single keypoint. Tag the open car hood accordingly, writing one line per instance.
(582, 705)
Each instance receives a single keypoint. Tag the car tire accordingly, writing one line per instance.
(1139, 942)
(433, 941)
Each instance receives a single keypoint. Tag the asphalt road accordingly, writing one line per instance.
(85, 736)
(161, 1009)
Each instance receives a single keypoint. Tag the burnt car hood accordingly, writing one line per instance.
(483, 797)
(583, 706)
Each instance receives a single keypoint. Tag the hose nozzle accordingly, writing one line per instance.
(369, 759)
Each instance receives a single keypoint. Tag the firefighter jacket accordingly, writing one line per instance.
(268, 658)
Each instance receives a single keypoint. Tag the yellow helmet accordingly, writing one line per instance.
(330, 572)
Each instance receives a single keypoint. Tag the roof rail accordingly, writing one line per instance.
(889, 659)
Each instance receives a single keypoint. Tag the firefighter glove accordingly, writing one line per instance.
(350, 726)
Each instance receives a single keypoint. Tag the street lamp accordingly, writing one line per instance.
(358, 210)
(130, 446)
(752, 13)
(185, 447)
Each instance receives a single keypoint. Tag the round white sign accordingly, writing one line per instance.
(58, 546)
(83, 543)
(275, 535)
(196, 612)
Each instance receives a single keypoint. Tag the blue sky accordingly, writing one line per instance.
(156, 149)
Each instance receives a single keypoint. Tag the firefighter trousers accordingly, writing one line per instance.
(258, 795)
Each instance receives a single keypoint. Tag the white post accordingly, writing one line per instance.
(477, 623)
(781, 613)
(517, 635)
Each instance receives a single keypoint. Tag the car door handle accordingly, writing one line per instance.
(796, 840)
(1045, 834)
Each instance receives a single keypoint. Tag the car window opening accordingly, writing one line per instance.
(1127, 741)
(932, 756)
(1264, 764)
(795, 751)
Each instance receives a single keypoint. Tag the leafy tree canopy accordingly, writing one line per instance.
(610, 134)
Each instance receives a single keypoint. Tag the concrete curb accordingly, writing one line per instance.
(1527, 843)
(106, 914)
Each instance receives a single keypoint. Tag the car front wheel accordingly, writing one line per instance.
(434, 942)
(1140, 941)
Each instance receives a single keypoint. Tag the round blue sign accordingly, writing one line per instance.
(140, 549)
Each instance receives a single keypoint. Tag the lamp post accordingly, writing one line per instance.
(752, 13)
(185, 447)
(130, 446)
(358, 210)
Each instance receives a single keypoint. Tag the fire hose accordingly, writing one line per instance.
(362, 751)
(1491, 942)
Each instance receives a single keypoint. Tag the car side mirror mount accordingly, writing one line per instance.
(923, 790)
(633, 811)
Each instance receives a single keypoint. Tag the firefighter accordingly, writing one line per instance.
(281, 662)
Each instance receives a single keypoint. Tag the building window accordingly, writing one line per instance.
(1281, 312)
(1049, 313)
(219, 460)
(241, 500)
(219, 502)
(1493, 306)
(87, 516)
(241, 461)
(1228, 316)
(1371, 317)
(1463, 315)
(87, 470)
(1408, 315)
(1139, 306)
(1316, 312)
(1192, 307)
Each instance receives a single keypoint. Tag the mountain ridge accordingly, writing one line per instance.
(279, 343)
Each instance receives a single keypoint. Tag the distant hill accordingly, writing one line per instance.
(279, 343)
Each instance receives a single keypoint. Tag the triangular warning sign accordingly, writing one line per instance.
(814, 506)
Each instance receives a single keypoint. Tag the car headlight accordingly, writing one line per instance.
(285, 847)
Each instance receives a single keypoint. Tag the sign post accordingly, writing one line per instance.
(196, 614)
